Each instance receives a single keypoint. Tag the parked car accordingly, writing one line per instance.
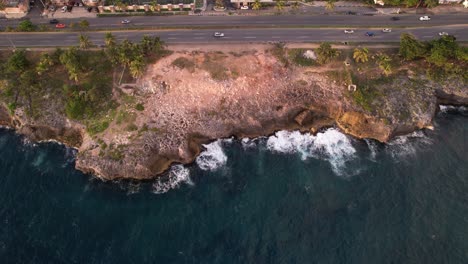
(218, 35)
(53, 21)
(394, 18)
(64, 9)
(348, 31)
(443, 33)
(425, 18)
(60, 25)
(125, 21)
(370, 34)
(386, 30)
(244, 7)
(52, 9)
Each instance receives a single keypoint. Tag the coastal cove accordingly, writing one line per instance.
(290, 197)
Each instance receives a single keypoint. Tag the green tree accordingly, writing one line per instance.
(295, 5)
(325, 53)
(85, 43)
(26, 26)
(44, 63)
(431, 3)
(384, 62)
(71, 60)
(410, 47)
(137, 65)
(279, 5)
(219, 3)
(442, 50)
(84, 24)
(411, 3)
(330, 5)
(257, 5)
(17, 62)
(109, 39)
(361, 55)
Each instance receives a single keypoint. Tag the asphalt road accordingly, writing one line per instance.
(233, 36)
(262, 21)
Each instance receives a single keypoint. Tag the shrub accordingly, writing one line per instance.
(139, 107)
(184, 63)
(325, 53)
(26, 26)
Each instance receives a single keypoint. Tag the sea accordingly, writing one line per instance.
(286, 198)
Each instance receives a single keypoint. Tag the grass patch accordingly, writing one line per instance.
(139, 107)
(279, 52)
(184, 63)
(297, 57)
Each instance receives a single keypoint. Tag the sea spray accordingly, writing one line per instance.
(213, 157)
(331, 145)
(177, 175)
(407, 145)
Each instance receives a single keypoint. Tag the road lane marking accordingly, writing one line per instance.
(198, 38)
(171, 38)
(302, 37)
(250, 37)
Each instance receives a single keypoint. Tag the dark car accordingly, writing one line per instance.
(53, 21)
(394, 18)
(370, 34)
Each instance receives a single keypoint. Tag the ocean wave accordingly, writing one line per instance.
(177, 175)
(452, 109)
(331, 145)
(248, 143)
(213, 157)
(407, 145)
(372, 145)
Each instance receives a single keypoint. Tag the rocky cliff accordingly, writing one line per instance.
(189, 98)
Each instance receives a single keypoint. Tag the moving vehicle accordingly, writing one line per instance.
(348, 31)
(370, 34)
(244, 7)
(125, 21)
(218, 35)
(425, 18)
(394, 18)
(60, 25)
(386, 30)
(53, 21)
(443, 33)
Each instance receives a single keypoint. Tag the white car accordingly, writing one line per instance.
(425, 18)
(218, 35)
(348, 31)
(443, 34)
(386, 30)
(125, 21)
(244, 7)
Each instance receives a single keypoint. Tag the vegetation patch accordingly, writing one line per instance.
(184, 63)
(298, 58)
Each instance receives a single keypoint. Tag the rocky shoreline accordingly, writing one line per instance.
(190, 98)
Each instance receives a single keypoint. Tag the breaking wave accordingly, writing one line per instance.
(331, 145)
(248, 143)
(407, 145)
(177, 175)
(213, 157)
(452, 109)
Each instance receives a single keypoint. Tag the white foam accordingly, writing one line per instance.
(331, 145)
(213, 157)
(407, 145)
(177, 175)
(248, 143)
(372, 145)
(451, 108)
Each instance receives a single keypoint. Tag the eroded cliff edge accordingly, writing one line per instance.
(192, 97)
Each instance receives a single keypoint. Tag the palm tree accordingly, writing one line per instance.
(330, 5)
(257, 5)
(137, 66)
(295, 5)
(361, 55)
(109, 39)
(44, 63)
(279, 5)
(383, 61)
(84, 42)
(153, 5)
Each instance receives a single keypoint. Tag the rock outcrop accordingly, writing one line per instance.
(217, 95)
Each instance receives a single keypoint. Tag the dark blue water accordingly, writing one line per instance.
(287, 199)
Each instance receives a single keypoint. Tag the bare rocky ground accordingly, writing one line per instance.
(195, 95)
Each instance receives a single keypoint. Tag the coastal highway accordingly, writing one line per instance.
(260, 21)
(52, 39)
